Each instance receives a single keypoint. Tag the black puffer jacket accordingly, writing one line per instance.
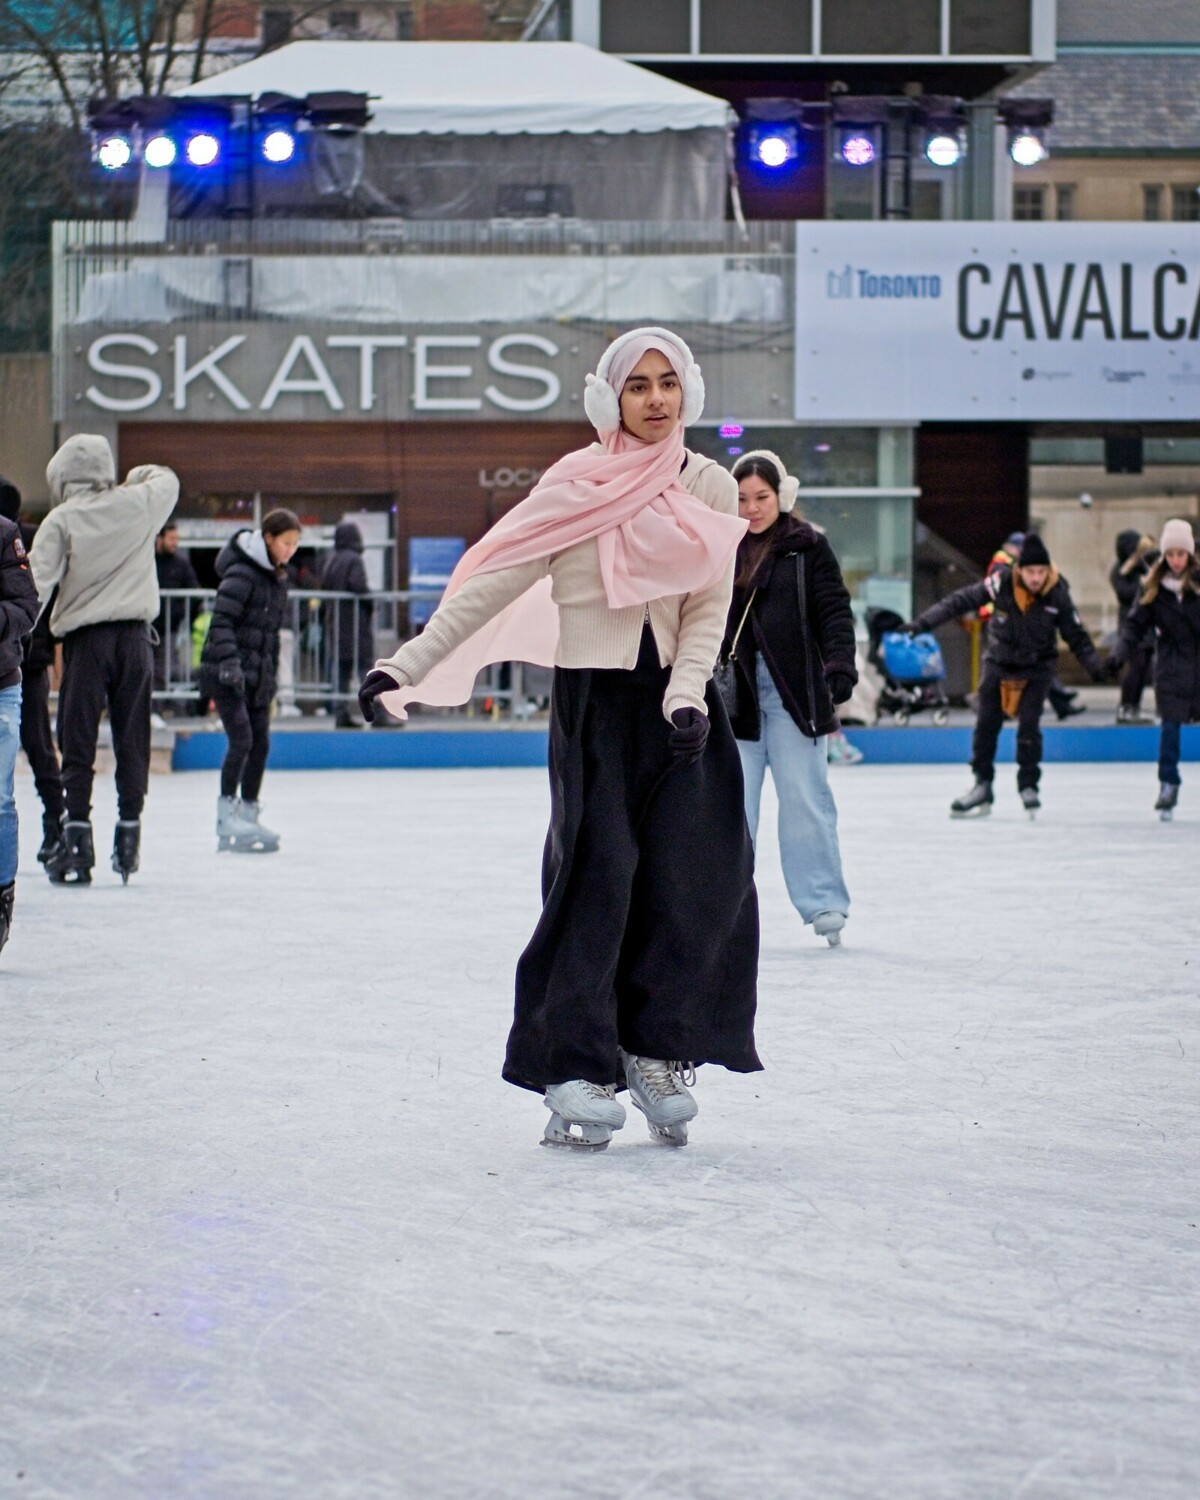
(800, 652)
(246, 619)
(1022, 642)
(1135, 556)
(1173, 621)
(349, 622)
(18, 601)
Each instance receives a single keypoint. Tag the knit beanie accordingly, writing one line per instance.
(1033, 552)
(788, 485)
(10, 499)
(1177, 534)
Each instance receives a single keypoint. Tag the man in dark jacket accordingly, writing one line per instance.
(1136, 554)
(18, 611)
(175, 571)
(348, 623)
(1033, 607)
(37, 736)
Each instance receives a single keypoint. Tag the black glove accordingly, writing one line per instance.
(1096, 669)
(911, 627)
(688, 738)
(373, 684)
(231, 676)
(841, 686)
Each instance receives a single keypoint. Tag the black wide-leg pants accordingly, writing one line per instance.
(648, 938)
(106, 665)
(990, 721)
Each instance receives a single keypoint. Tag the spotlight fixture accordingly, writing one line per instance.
(1027, 120)
(1027, 148)
(773, 151)
(857, 150)
(114, 152)
(943, 149)
(159, 151)
(279, 146)
(202, 149)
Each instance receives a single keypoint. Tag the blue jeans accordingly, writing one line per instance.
(10, 743)
(808, 841)
(1168, 751)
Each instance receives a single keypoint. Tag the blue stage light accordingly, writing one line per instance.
(114, 152)
(279, 146)
(203, 149)
(159, 151)
(773, 151)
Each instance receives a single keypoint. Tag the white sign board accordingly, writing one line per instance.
(997, 322)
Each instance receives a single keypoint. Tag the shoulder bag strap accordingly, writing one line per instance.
(737, 633)
(802, 595)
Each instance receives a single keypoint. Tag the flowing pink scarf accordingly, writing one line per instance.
(654, 539)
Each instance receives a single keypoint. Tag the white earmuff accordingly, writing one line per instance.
(602, 404)
(789, 485)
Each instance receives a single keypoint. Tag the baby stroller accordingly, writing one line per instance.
(911, 666)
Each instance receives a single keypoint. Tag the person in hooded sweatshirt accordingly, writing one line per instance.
(37, 736)
(1033, 606)
(96, 547)
(18, 611)
(1136, 555)
(349, 623)
(239, 670)
(1168, 613)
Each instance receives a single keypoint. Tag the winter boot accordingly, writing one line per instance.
(1168, 796)
(52, 835)
(268, 842)
(583, 1115)
(976, 803)
(6, 911)
(659, 1090)
(235, 830)
(829, 924)
(127, 844)
(1129, 713)
(71, 862)
(1030, 800)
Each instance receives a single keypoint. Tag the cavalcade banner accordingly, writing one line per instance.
(997, 322)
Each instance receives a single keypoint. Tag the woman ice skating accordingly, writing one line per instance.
(239, 667)
(1168, 615)
(1136, 555)
(617, 571)
(1033, 607)
(790, 639)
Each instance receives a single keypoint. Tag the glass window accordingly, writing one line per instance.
(634, 26)
(766, 26)
(405, 24)
(998, 28)
(864, 28)
(1029, 203)
(1185, 204)
(277, 28)
(1064, 200)
(1152, 199)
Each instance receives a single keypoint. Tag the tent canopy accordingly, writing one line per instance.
(478, 88)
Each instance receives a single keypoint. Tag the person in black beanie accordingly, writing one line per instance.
(37, 734)
(1033, 606)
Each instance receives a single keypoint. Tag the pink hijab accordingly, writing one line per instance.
(654, 539)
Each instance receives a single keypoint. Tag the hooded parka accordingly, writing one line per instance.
(1172, 620)
(349, 622)
(247, 616)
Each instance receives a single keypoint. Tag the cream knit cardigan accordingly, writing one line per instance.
(688, 628)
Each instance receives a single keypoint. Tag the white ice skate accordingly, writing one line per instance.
(1030, 801)
(1168, 797)
(659, 1090)
(977, 803)
(237, 830)
(583, 1115)
(829, 924)
(268, 842)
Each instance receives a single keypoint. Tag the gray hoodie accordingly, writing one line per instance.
(97, 543)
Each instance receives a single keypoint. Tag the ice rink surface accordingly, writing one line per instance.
(271, 1225)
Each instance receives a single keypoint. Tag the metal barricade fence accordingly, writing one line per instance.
(328, 643)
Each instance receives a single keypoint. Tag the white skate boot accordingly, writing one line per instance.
(268, 842)
(659, 1090)
(583, 1115)
(1168, 799)
(1030, 801)
(829, 924)
(235, 830)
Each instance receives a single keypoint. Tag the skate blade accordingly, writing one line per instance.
(1166, 815)
(72, 877)
(834, 939)
(576, 1135)
(972, 812)
(665, 1135)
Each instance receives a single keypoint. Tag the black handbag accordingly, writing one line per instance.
(725, 673)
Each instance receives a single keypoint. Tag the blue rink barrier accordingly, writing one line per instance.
(386, 749)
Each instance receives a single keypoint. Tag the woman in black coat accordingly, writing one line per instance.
(349, 623)
(239, 668)
(794, 662)
(1169, 614)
